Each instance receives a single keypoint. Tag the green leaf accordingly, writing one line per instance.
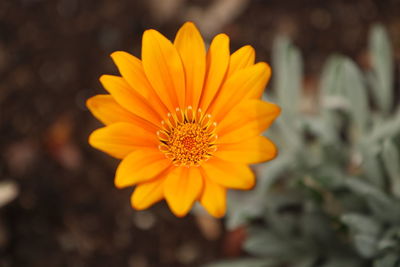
(343, 88)
(388, 260)
(339, 261)
(366, 245)
(391, 161)
(364, 189)
(288, 68)
(390, 239)
(361, 224)
(386, 129)
(330, 80)
(243, 205)
(356, 94)
(384, 208)
(372, 167)
(263, 242)
(382, 67)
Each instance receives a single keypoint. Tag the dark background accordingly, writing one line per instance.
(64, 209)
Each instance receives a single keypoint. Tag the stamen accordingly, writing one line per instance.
(188, 137)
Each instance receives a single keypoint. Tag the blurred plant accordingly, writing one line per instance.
(332, 197)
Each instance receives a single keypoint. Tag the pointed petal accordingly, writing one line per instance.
(218, 57)
(213, 198)
(240, 86)
(163, 67)
(182, 188)
(146, 194)
(131, 69)
(129, 98)
(242, 58)
(250, 118)
(249, 151)
(119, 139)
(227, 174)
(106, 110)
(190, 46)
(259, 88)
(140, 166)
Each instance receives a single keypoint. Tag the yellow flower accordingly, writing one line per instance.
(186, 122)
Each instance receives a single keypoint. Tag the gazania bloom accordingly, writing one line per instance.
(186, 122)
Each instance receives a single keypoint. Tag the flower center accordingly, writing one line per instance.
(188, 137)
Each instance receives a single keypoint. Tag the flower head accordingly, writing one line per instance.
(186, 122)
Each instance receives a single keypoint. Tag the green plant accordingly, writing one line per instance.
(332, 197)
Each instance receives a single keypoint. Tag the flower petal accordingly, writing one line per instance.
(163, 67)
(242, 58)
(190, 46)
(140, 166)
(131, 69)
(243, 84)
(146, 194)
(231, 175)
(250, 151)
(218, 57)
(129, 98)
(250, 118)
(106, 110)
(119, 139)
(181, 188)
(213, 198)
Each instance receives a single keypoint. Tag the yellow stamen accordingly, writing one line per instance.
(188, 137)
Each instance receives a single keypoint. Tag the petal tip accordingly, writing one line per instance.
(90, 103)
(222, 37)
(264, 65)
(180, 213)
(189, 24)
(93, 139)
(136, 204)
(150, 33)
(103, 78)
(117, 181)
(116, 54)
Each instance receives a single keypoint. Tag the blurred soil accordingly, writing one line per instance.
(65, 210)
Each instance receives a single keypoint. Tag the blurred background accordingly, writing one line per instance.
(58, 204)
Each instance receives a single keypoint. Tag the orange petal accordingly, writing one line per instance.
(241, 85)
(140, 166)
(253, 150)
(227, 174)
(181, 188)
(129, 98)
(163, 67)
(132, 71)
(146, 194)
(119, 139)
(106, 110)
(190, 46)
(213, 198)
(217, 65)
(250, 118)
(242, 58)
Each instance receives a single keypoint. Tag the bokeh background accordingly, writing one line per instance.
(58, 205)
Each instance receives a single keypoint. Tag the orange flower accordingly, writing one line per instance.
(185, 122)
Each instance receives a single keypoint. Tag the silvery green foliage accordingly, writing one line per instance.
(332, 197)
